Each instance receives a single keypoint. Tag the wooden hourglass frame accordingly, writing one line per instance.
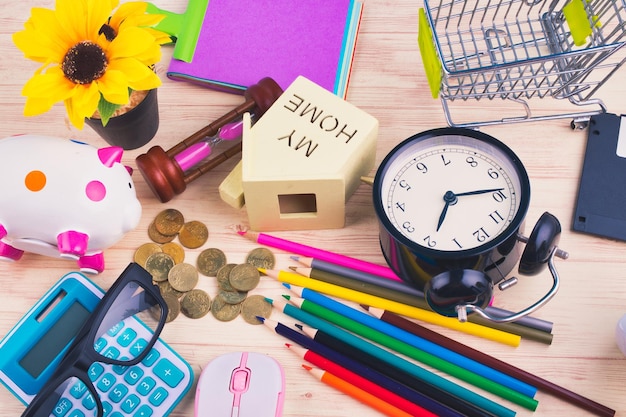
(162, 172)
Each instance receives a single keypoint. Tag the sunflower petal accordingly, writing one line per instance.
(83, 103)
(114, 87)
(131, 67)
(50, 85)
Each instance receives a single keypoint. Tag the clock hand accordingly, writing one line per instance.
(479, 192)
(450, 198)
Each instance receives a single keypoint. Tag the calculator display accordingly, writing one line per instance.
(59, 335)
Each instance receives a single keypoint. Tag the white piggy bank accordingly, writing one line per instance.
(63, 198)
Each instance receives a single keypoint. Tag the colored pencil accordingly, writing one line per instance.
(414, 353)
(419, 302)
(415, 341)
(403, 309)
(419, 375)
(413, 395)
(356, 392)
(542, 384)
(530, 322)
(362, 383)
(305, 250)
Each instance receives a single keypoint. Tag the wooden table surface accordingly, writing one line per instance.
(387, 81)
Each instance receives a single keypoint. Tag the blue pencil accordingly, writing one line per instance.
(416, 341)
(392, 360)
(358, 368)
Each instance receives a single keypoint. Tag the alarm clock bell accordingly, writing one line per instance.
(461, 291)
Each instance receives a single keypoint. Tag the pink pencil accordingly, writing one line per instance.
(304, 250)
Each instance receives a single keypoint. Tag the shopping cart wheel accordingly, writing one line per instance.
(580, 123)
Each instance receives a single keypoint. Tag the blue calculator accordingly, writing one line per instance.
(32, 350)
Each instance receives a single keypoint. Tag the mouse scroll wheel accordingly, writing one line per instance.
(240, 380)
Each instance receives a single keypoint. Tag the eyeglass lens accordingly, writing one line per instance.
(120, 337)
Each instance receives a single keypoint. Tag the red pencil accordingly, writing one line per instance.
(355, 392)
(360, 382)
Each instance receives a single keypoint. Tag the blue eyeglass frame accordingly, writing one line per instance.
(81, 355)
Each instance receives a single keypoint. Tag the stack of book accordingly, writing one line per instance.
(239, 42)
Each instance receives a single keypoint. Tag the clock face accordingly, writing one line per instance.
(453, 192)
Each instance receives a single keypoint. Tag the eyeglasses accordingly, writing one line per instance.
(111, 335)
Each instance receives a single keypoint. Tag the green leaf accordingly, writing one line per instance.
(106, 110)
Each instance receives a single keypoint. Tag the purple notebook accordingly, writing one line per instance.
(242, 41)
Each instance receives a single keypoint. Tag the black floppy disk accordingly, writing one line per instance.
(601, 201)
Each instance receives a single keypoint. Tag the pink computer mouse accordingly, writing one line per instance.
(241, 384)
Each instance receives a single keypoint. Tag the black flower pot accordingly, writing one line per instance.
(133, 129)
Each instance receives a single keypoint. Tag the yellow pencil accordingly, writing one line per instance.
(394, 306)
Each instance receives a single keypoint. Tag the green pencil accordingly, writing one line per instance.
(414, 353)
(394, 360)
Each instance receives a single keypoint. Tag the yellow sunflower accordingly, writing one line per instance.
(90, 55)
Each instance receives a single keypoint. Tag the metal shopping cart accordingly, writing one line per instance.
(522, 50)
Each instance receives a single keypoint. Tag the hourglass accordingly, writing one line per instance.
(168, 172)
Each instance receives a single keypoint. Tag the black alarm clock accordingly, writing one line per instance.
(451, 205)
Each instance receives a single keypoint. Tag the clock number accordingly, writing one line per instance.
(430, 242)
(471, 161)
(408, 227)
(400, 206)
(499, 196)
(421, 167)
(404, 184)
(445, 161)
(494, 174)
(457, 243)
(481, 235)
(496, 217)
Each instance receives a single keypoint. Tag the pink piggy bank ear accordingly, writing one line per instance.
(110, 155)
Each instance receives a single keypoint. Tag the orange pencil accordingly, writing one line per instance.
(356, 392)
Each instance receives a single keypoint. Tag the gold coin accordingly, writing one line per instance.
(166, 288)
(244, 277)
(169, 221)
(210, 261)
(223, 311)
(173, 307)
(159, 265)
(176, 251)
(193, 234)
(144, 251)
(183, 277)
(253, 306)
(261, 258)
(223, 277)
(195, 304)
(157, 237)
(234, 297)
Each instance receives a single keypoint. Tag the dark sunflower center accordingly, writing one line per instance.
(84, 63)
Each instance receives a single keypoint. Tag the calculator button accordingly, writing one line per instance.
(159, 395)
(62, 408)
(107, 408)
(146, 386)
(76, 413)
(111, 352)
(99, 344)
(133, 375)
(130, 403)
(143, 411)
(95, 371)
(118, 393)
(168, 372)
(89, 402)
(106, 383)
(127, 337)
(78, 389)
(115, 329)
(151, 357)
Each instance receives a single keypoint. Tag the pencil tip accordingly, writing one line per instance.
(286, 297)
(261, 319)
(299, 326)
(295, 258)
(262, 270)
(307, 367)
(288, 345)
(269, 300)
(288, 286)
(293, 268)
